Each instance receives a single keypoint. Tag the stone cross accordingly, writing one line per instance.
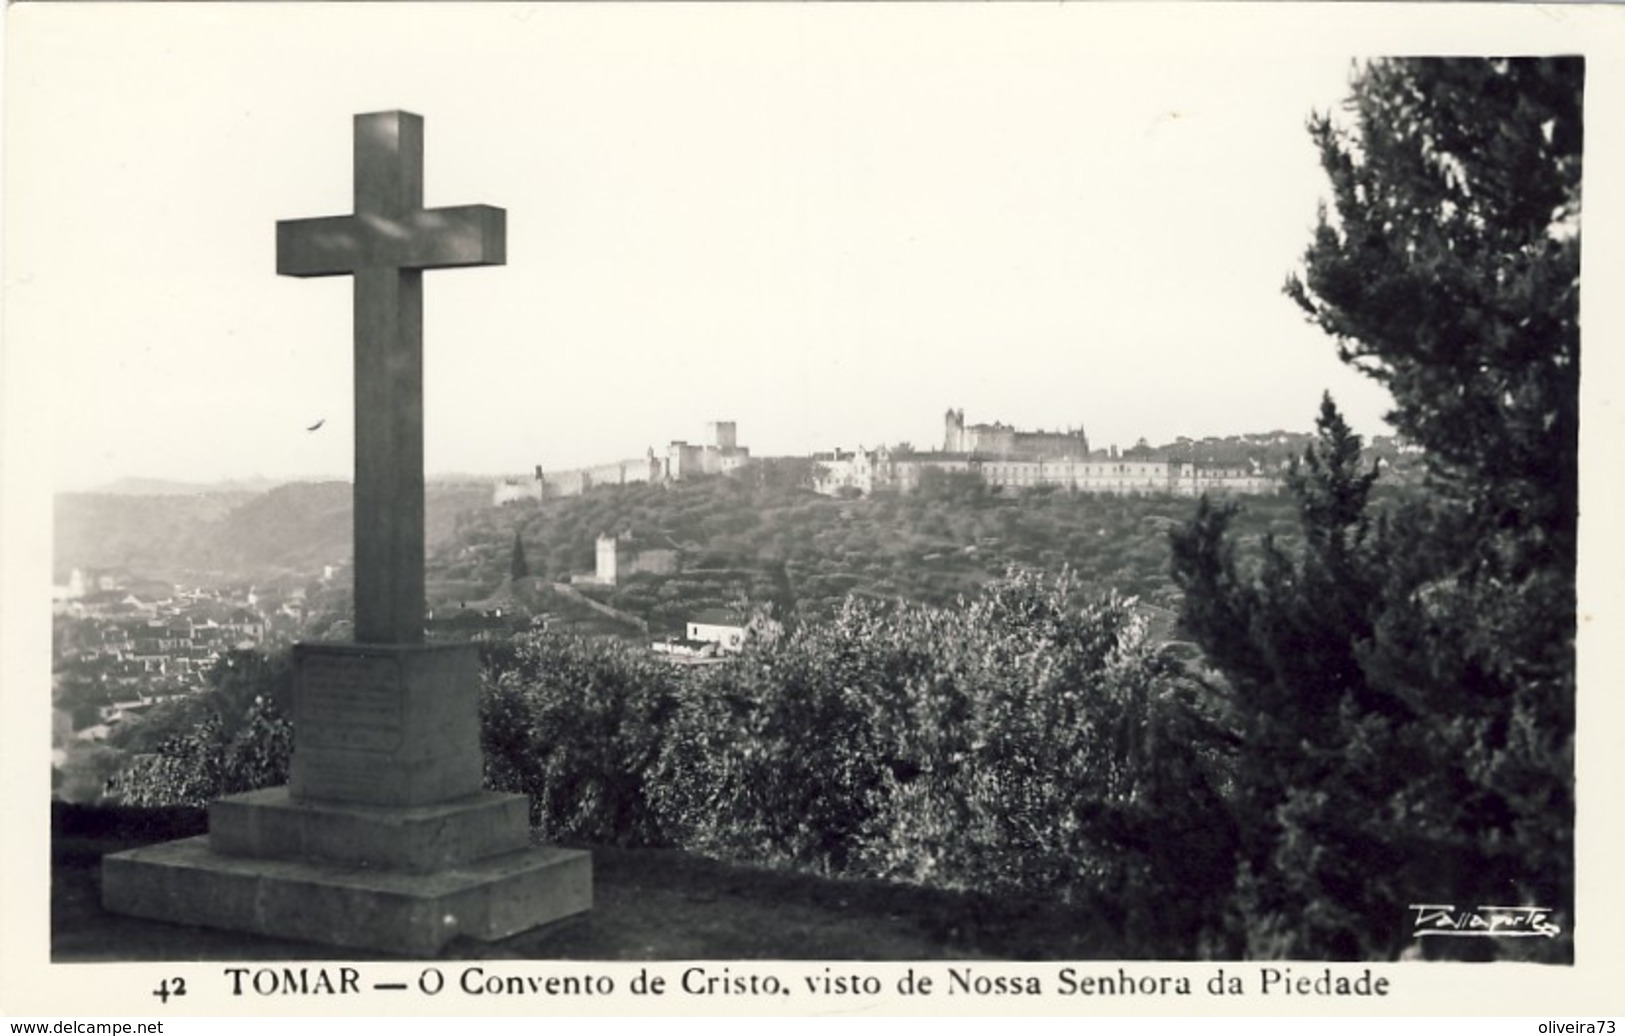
(383, 838)
(386, 244)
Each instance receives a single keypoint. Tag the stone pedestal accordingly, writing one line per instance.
(386, 726)
(383, 838)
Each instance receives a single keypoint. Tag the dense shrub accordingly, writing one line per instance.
(772, 756)
(1022, 742)
(576, 725)
(1030, 740)
(230, 736)
(211, 759)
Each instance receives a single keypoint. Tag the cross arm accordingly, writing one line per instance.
(464, 235)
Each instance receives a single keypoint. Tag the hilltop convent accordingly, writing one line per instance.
(1005, 457)
(1004, 442)
(1000, 454)
(721, 455)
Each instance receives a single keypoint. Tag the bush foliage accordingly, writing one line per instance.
(1031, 740)
(1025, 742)
(200, 764)
(577, 725)
(232, 736)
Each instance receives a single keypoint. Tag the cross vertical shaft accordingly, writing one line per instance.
(389, 542)
(386, 244)
(389, 539)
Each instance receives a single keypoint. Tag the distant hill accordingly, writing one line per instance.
(298, 527)
(148, 535)
(293, 529)
(167, 487)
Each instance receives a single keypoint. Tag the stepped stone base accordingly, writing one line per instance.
(347, 905)
(383, 838)
(272, 824)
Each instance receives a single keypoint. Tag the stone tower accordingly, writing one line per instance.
(608, 559)
(724, 435)
(953, 439)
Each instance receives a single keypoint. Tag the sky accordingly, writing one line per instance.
(825, 223)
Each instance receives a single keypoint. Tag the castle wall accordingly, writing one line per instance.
(513, 490)
(724, 454)
(567, 483)
(621, 472)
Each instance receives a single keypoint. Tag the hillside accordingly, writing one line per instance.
(290, 530)
(746, 545)
(297, 527)
(151, 535)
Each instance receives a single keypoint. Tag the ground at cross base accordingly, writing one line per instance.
(648, 905)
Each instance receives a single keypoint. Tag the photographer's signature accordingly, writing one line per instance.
(1508, 921)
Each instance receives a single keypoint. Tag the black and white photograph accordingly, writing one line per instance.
(799, 509)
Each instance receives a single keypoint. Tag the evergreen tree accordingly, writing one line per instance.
(1285, 631)
(1450, 273)
(1401, 689)
(518, 568)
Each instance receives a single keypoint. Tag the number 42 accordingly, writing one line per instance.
(170, 987)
